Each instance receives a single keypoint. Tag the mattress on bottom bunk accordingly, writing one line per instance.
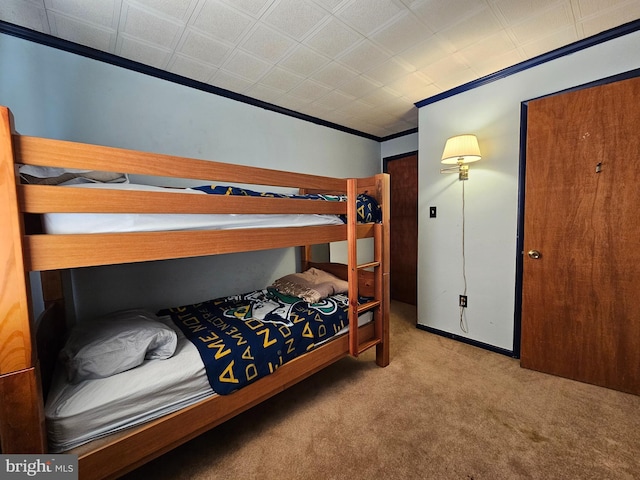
(82, 412)
(74, 223)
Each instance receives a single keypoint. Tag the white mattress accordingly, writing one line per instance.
(65, 223)
(88, 410)
(77, 414)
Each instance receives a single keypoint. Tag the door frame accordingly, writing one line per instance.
(517, 323)
(385, 169)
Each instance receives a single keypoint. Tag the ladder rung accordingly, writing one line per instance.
(368, 265)
(365, 307)
(367, 345)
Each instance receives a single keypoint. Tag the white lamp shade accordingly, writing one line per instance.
(462, 148)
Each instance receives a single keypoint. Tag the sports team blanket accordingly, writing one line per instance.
(242, 338)
(367, 208)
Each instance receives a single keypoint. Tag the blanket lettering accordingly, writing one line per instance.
(242, 338)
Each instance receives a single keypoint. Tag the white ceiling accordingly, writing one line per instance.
(361, 64)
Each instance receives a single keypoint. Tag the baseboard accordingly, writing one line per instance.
(469, 341)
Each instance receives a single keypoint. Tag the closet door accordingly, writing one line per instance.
(581, 269)
(404, 228)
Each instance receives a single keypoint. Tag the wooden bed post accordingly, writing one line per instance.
(21, 405)
(383, 185)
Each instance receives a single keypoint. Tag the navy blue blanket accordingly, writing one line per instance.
(368, 209)
(242, 338)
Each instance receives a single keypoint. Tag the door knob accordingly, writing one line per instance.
(535, 254)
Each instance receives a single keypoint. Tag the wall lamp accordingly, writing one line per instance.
(460, 151)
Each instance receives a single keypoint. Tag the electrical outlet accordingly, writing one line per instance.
(463, 301)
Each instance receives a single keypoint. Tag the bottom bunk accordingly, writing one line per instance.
(117, 418)
(122, 452)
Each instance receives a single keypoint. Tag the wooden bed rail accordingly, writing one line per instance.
(51, 252)
(59, 153)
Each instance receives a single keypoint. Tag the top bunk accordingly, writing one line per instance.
(51, 251)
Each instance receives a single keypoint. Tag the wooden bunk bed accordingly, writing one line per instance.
(27, 356)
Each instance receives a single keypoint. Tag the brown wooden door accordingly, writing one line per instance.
(403, 172)
(580, 308)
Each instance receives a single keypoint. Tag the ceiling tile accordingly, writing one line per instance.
(515, 11)
(231, 82)
(34, 17)
(494, 63)
(267, 43)
(366, 16)
(281, 79)
(309, 90)
(190, 68)
(255, 8)
(221, 21)
(364, 56)
(83, 33)
(414, 86)
(295, 104)
(329, 4)
(401, 34)
(333, 38)
(426, 52)
(543, 24)
(359, 87)
(264, 93)
(550, 42)
(143, 52)
(611, 18)
(145, 25)
(440, 15)
(387, 72)
(358, 109)
(334, 74)
(446, 72)
(488, 47)
(334, 99)
(246, 66)
(103, 13)
(295, 17)
(382, 96)
(400, 109)
(479, 25)
(587, 8)
(178, 9)
(205, 49)
(304, 61)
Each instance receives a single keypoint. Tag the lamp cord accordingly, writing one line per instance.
(463, 327)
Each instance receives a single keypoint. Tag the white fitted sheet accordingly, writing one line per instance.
(77, 414)
(73, 223)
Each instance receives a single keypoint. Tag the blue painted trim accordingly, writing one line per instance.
(540, 59)
(517, 312)
(399, 134)
(468, 341)
(60, 44)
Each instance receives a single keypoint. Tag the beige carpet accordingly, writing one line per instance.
(441, 410)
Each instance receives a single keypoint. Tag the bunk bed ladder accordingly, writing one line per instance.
(376, 304)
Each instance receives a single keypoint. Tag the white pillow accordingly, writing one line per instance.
(114, 343)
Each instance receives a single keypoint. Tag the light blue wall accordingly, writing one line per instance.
(492, 112)
(400, 145)
(57, 94)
